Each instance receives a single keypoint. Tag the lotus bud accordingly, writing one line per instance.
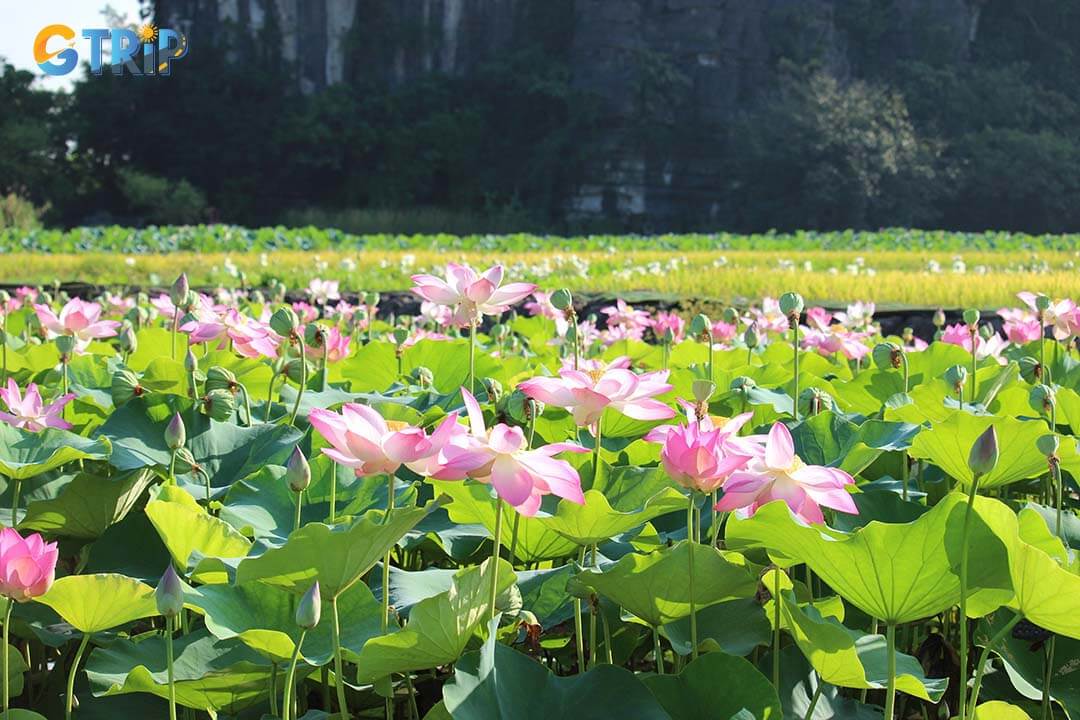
(813, 401)
(400, 336)
(700, 327)
(65, 344)
(175, 433)
(494, 389)
(730, 316)
(1030, 370)
(125, 386)
(956, 376)
(986, 332)
(908, 336)
(972, 316)
(791, 304)
(180, 288)
(1048, 445)
(743, 383)
(191, 363)
(702, 390)
(1042, 303)
(939, 318)
(750, 337)
(984, 453)
(293, 370)
(314, 335)
(169, 594)
(297, 471)
(219, 378)
(284, 321)
(371, 299)
(126, 338)
(219, 405)
(423, 376)
(309, 610)
(561, 299)
(1041, 398)
(886, 355)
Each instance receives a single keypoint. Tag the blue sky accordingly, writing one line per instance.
(22, 19)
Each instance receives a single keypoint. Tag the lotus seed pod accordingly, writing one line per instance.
(175, 433)
(1048, 445)
(1030, 370)
(297, 471)
(750, 337)
(371, 299)
(984, 453)
(939, 318)
(65, 344)
(814, 401)
(219, 405)
(517, 407)
(400, 336)
(314, 335)
(730, 316)
(219, 378)
(494, 389)
(423, 376)
(883, 355)
(309, 611)
(956, 376)
(562, 299)
(1041, 398)
(743, 383)
(700, 325)
(169, 594)
(124, 387)
(972, 316)
(178, 293)
(702, 390)
(1042, 303)
(284, 321)
(791, 304)
(126, 338)
(986, 332)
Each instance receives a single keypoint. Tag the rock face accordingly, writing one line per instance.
(674, 68)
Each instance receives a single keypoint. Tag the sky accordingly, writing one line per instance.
(20, 21)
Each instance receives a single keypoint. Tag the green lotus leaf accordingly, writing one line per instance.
(336, 556)
(693, 694)
(999, 710)
(596, 521)
(94, 603)
(185, 527)
(895, 572)
(836, 441)
(87, 505)
(211, 674)
(439, 627)
(472, 503)
(947, 444)
(736, 626)
(655, 587)
(24, 454)
(499, 682)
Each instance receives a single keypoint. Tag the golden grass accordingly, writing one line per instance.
(893, 277)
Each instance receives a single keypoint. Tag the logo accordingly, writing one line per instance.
(143, 51)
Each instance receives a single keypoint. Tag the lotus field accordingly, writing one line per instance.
(221, 504)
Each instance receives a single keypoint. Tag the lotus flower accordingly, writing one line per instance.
(587, 394)
(818, 318)
(370, 445)
(836, 339)
(858, 316)
(960, 334)
(1062, 315)
(27, 565)
(250, 338)
(541, 305)
(770, 318)
(501, 457)
(79, 319)
(664, 321)
(323, 291)
(334, 347)
(700, 456)
(779, 474)
(28, 412)
(624, 321)
(1020, 326)
(469, 294)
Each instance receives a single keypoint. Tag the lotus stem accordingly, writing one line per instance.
(169, 660)
(890, 689)
(16, 486)
(607, 635)
(495, 557)
(974, 364)
(906, 370)
(592, 615)
(247, 404)
(472, 355)
(269, 399)
(873, 631)
(690, 563)
(287, 709)
(597, 439)
(303, 380)
(514, 538)
(414, 711)
(795, 347)
(386, 558)
(815, 698)
(578, 625)
(175, 328)
(7, 624)
(71, 675)
(299, 506)
(322, 373)
(969, 511)
(339, 676)
(776, 628)
(1048, 677)
(984, 657)
(658, 651)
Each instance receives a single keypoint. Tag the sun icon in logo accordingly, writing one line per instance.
(147, 32)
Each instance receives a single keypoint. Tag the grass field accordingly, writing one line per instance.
(907, 268)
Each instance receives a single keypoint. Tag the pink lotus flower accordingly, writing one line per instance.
(470, 295)
(836, 339)
(723, 332)
(27, 565)
(334, 348)
(625, 322)
(858, 316)
(818, 318)
(541, 305)
(960, 334)
(501, 457)
(587, 394)
(250, 338)
(420, 334)
(779, 474)
(438, 315)
(362, 440)
(323, 291)
(79, 319)
(699, 456)
(117, 304)
(1020, 326)
(769, 319)
(664, 321)
(29, 413)
(1062, 315)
